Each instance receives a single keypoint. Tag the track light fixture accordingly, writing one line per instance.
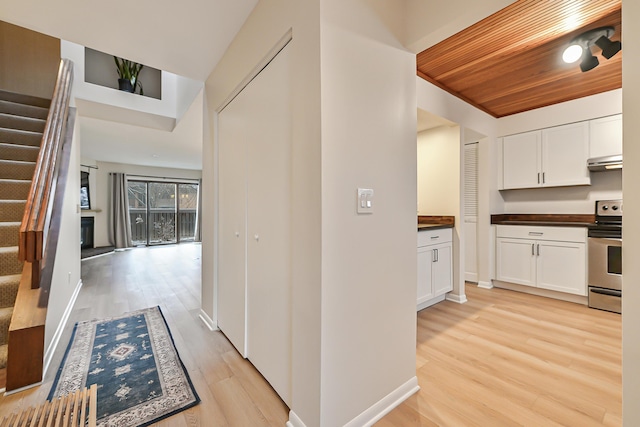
(580, 47)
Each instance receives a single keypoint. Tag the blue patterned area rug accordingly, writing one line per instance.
(134, 362)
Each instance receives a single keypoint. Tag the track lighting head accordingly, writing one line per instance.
(608, 47)
(580, 47)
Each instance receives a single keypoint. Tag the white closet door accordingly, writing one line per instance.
(232, 173)
(269, 224)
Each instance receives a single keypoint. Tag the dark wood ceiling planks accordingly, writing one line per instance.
(511, 61)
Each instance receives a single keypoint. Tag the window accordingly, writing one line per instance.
(162, 212)
(85, 199)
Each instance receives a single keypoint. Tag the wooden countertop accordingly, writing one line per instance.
(435, 222)
(553, 220)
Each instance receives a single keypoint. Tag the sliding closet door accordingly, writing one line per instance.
(268, 227)
(232, 196)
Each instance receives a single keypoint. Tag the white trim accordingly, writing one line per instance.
(98, 256)
(485, 285)
(48, 355)
(563, 296)
(294, 420)
(27, 387)
(207, 321)
(460, 299)
(385, 405)
(270, 56)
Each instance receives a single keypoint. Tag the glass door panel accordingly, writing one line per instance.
(137, 194)
(187, 208)
(162, 213)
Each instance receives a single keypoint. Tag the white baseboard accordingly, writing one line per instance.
(294, 420)
(48, 355)
(485, 285)
(385, 405)
(207, 321)
(460, 299)
(471, 277)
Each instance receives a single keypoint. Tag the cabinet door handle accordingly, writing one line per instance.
(538, 249)
(538, 177)
(543, 180)
(533, 249)
(433, 255)
(436, 251)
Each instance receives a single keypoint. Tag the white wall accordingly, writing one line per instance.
(439, 171)
(369, 265)
(66, 271)
(631, 247)
(100, 191)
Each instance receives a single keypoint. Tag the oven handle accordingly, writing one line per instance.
(609, 292)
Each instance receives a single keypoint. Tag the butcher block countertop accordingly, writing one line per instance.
(432, 222)
(546, 220)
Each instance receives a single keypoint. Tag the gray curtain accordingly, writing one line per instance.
(198, 235)
(119, 222)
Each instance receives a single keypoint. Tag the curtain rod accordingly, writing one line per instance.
(89, 166)
(151, 178)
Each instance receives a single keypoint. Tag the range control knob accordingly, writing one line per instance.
(605, 208)
(614, 207)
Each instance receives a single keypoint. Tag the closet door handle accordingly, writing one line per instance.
(237, 234)
(257, 237)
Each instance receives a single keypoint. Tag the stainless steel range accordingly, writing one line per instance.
(605, 257)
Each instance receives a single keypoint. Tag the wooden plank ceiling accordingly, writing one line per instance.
(511, 61)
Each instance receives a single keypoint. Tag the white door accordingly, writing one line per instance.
(521, 160)
(565, 151)
(232, 159)
(269, 223)
(562, 267)
(516, 261)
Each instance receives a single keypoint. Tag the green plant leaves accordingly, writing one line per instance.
(129, 70)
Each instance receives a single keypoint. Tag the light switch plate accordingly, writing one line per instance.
(365, 201)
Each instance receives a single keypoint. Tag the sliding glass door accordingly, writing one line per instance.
(162, 212)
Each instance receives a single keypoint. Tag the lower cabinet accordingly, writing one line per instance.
(553, 258)
(435, 271)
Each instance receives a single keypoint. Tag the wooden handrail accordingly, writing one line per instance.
(37, 214)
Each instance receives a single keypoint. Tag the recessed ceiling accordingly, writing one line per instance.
(511, 61)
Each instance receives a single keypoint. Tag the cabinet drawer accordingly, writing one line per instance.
(433, 237)
(564, 234)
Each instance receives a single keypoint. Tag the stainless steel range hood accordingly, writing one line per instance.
(597, 164)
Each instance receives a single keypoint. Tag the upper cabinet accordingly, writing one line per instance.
(550, 157)
(605, 136)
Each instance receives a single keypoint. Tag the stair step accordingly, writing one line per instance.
(9, 262)
(9, 289)
(14, 189)
(24, 99)
(12, 210)
(5, 321)
(11, 121)
(3, 356)
(9, 235)
(25, 153)
(21, 137)
(15, 169)
(24, 110)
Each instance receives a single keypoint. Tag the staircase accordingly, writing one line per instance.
(22, 122)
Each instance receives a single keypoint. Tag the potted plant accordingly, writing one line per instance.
(128, 75)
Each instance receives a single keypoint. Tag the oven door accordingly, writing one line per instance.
(605, 263)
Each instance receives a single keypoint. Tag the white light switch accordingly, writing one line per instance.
(365, 201)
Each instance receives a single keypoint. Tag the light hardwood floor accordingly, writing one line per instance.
(510, 359)
(502, 359)
(232, 392)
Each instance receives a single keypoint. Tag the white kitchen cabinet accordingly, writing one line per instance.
(551, 157)
(551, 258)
(435, 269)
(605, 136)
(522, 162)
